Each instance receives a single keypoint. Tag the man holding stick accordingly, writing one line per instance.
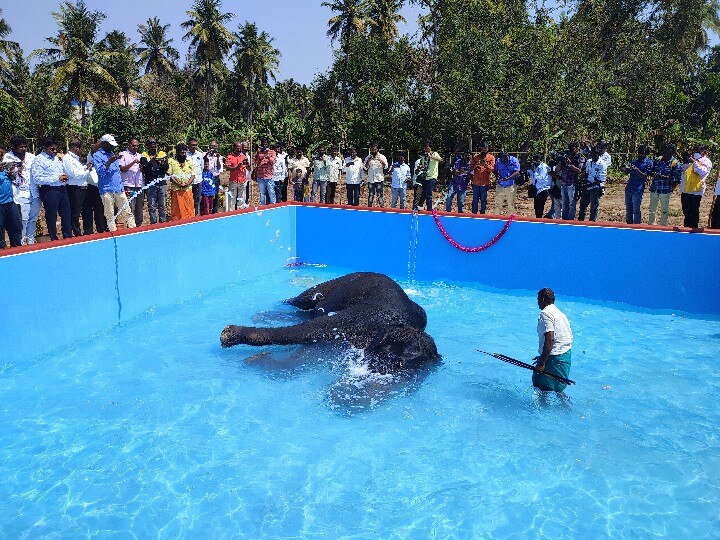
(555, 340)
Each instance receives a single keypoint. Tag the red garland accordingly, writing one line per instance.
(466, 249)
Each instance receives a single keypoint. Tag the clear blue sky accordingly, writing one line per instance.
(298, 26)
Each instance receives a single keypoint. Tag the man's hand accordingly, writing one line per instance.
(63, 177)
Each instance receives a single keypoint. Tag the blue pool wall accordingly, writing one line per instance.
(56, 296)
(647, 268)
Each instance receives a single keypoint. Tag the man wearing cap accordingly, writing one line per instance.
(110, 186)
(640, 170)
(507, 169)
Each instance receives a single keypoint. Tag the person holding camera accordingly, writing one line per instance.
(112, 193)
(665, 176)
(375, 165)
(693, 184)
(353, 170)
(460, 180)
(321, 164)
(400, 177)
(540, 183)
(594, 187)
(217, 167)
(572, 164)
(154, 165)
(481, 167)
(507, 169)
(640, 171)
(264, 171)
(426, 173)
(237, 163)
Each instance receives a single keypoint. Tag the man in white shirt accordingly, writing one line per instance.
(321, 164)
(280, 172)
(48, 175)
(595, 185)
(375, 165)
(334, 169)
(217, 166)
(25, 195)
(541, 180)
(693, 184)
(555, 344)
(353, 176)
(77, 184)
(400, 177)
(196, 157)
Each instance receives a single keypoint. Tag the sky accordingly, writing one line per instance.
(298, 26)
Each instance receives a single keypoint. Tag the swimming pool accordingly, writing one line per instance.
(145, 426)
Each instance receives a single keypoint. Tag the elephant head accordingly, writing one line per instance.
(401, 348)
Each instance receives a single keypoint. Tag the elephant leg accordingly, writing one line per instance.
(321, 329)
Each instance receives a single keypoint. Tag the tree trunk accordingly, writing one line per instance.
(208, 84)
(82, 112)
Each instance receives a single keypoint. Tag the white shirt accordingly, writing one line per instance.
(606, 159)
(353, 170)
(217, 164)
(541, 178)
(376, 168)
(597, 172)
(702, 168)
(78, 173)
(197, 160)
(418, 164)
(400, 175)
(46, 171)
(24, 191)
(334, 168)
(302, 163)
(280, 170)
(551, 319)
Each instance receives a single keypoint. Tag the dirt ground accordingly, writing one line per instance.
(612, 205)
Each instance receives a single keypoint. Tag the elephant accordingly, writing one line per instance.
(366, 310)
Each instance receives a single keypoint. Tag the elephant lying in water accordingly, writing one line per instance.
(366, 310)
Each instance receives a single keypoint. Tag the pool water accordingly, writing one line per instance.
(151, 429)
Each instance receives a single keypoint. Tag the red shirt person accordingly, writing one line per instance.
(236, 163)
(264, 168)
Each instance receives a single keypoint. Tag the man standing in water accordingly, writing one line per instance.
(555, 337)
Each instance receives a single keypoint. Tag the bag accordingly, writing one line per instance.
(532, 191)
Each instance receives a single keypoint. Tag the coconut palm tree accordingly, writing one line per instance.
(210, 42)
(8, 50)
(120, 61)
(76, 59)
(351, 19)
(157, 54)
(256, 60)
(385, 18)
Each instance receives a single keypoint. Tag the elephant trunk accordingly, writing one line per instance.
(245, 335)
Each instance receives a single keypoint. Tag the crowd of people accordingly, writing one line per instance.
(91, 192)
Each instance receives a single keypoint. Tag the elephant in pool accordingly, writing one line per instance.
(366, 310)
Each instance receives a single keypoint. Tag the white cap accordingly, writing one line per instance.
(108, 139)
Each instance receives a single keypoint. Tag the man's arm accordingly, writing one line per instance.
(547, 347)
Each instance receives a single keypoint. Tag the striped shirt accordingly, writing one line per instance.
(665, 175)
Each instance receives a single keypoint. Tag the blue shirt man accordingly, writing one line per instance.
(6, 190)
(107, 166)
(505, 168)
(640, 170)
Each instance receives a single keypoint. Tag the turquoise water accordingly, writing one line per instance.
(151, 430)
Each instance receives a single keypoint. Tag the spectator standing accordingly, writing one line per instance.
(594, 187)
(209, 188)
(692, 185)
(298, 182)
(715, 211)
(665, 175)
(417, 186)
(48, 175)
(25, 194)
(283, 155)
(280, 173)
(541, 182)
(182, 180)
(217, 167)
(93, 210)
(604, 155)
(459, 183)
(132, 179)
(429, 172)
(507, 169)
(237, 163)
(482, 166)
(264, 168)
(321, 163)
(573, 164)
(78, 175)
(640, 171)
(334, 170)
(375, 165)
(400, 177)
(353, 177)
(195, 155)
(10, 219)
(154, 165)
(112, 194)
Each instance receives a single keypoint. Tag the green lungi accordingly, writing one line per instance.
(557, 365)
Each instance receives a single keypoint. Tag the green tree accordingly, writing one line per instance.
(351, 20)
(210, 42)
(255, 64)
(9, 50)
(385, 17)
(157, 53)
(119, 59)
(76, 60)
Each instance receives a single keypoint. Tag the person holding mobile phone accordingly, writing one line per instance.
(107, 165)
